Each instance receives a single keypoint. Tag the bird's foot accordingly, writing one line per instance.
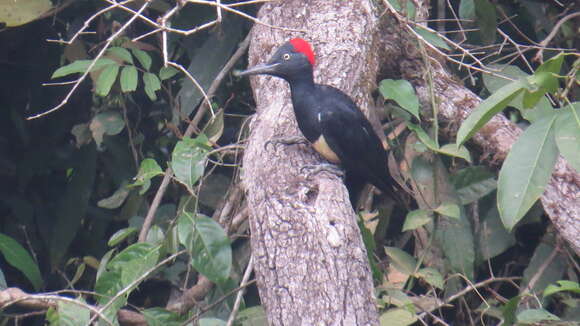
(295, 140)
(324, 167)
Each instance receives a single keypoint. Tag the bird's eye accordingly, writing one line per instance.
(286, 56)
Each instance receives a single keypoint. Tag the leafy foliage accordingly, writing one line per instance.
(83, 207)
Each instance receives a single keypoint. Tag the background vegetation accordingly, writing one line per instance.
(122, 203)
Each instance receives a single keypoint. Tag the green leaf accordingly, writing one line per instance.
(71, 314)
(116, 199)
(73, 203)
(152, 84)
(563, 285)
(188, 160)
(551, 273)
(397, 317)
(167, 72)
(433, 38)
(423, 136)
(542, 106)
(467, 10)
(121, 53)
(487, 109)
(143, 58)
(431, 276)
(456, 238)
(209, 246)
(402, 92)
(417, 218)
(535, 316)
(161, 317)
(106, 80)
(495, 82)
(526, 171)
(486, 20)
(125, 268)
(545, 75)
(16, 13)
(402, 261)
(211, 322)
(106, 123)
(568, 134)
(121, 235)
(129, 79)
(492, 237)
(449, 209)
(80, 66)
(215, 127)
(19, 258)
(147, 171)
(473, 183)
(455, 151)
(253, 316)
(544, 79)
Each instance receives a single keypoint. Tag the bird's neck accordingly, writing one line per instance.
(301, 82)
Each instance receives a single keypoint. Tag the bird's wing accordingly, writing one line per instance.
(350, 135)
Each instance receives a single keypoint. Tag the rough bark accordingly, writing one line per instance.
(561, 199)
(310, 262)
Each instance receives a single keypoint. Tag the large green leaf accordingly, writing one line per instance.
(106, 80)
(126, 267)
(535, 317)
(143, 57)
(209, 246)
(71, 314)
(397, 317)
(73, 203)
(152, 85)
(568, 134)
(147, 171)
(432, 38)
(492, 237)
(402, 261)
(487, 109)
(551, 272)
(473, 183)
(253, 316)
(526, 171)
(207, 60)
(121, 54)
(188, 160)
(19, 12)
(106, 123)
(80, 66)
(162, 317)
(467, 10)
(456, 238)
(417, 218)
(20, 259)
(128, 79)
(402, 92)
(486, 20)
(494, 82)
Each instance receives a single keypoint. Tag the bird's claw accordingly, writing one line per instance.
(296, 140)
(324, 167)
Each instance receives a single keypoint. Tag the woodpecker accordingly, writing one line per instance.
(330, 121)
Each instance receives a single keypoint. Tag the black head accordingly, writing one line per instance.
(292, 60)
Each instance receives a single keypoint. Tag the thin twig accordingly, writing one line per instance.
(468, 289)
(540, 55)
(243, 283)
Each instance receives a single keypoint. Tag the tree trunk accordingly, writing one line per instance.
(310, 262)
